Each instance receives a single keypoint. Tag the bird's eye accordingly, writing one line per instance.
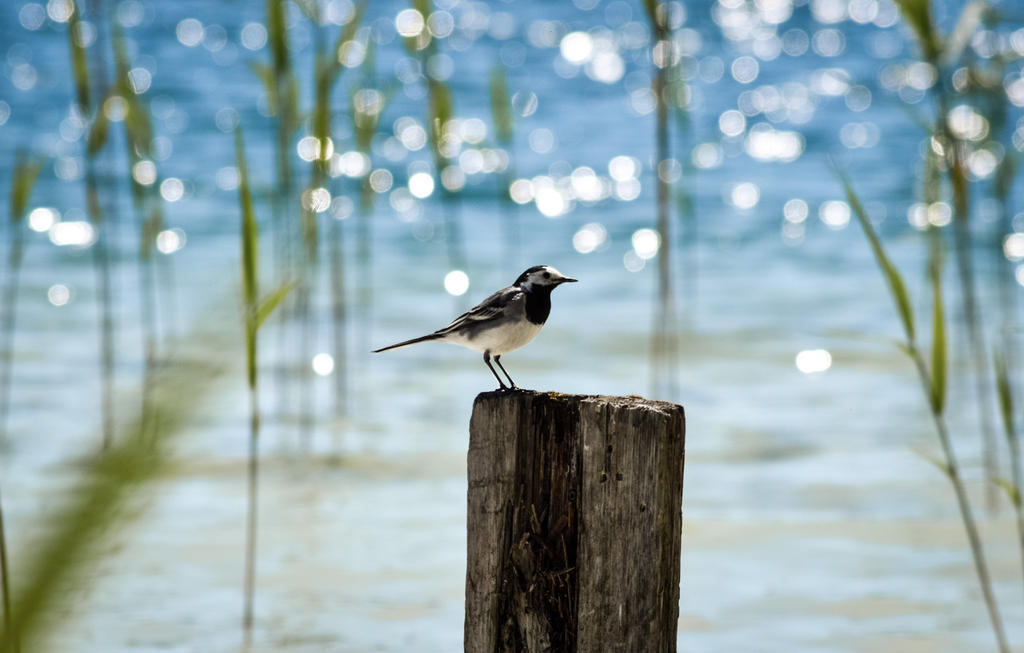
(547, 275)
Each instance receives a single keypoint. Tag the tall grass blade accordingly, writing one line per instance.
(918, 14)
(345, 39)
(146, 202)
(501, 116)
(23, 180)
(265, 74)
(897, 287)
(501, 105)
(1005, 394)
(250, 253)
(79, 62)
(84, 94)
(966, 26)
(26, 172)
(1012, 491)
(106, 493)
(250, 292)
(938, 391)
(902, 301)
(98, 133)
(1015, 485)
(271, 301)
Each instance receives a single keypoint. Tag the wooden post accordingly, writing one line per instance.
(574, 523)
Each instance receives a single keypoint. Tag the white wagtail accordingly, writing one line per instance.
(507, 320)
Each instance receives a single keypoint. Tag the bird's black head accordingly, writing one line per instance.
(541, 276)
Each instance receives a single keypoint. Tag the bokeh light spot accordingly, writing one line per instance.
(169, 241)
(58, 294)
(810, 361)
(456, 283)
(323, 364)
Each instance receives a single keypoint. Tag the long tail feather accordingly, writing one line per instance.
(432, 336)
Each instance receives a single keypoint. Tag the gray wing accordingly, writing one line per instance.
(492, 309)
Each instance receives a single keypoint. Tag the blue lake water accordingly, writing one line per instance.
(810, 520)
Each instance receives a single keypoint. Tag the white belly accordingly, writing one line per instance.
(500, 341)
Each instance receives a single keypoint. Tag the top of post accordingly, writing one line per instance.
(531, 396)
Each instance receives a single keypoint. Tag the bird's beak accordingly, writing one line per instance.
(567, 280)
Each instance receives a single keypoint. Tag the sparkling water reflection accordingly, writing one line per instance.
(811, 523)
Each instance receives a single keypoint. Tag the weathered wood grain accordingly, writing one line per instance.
(574, 523)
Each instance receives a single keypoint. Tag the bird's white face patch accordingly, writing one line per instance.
(546, 276)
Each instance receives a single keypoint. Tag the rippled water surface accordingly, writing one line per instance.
(811, 522)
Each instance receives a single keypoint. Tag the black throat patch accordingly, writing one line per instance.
(538, 303)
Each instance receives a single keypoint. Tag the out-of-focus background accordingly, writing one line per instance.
(682, 160)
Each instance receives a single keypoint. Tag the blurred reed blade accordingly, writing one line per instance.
(365, 117)
(26, 171)
(107, 491)
(79, 62)
(1005, 174)
(918, 14)
(966, 26)
(23, 180)
(345, 37)
(1006, 407)
(277, 34)
(291, 103)
(1012, 487)
(651, 6)
(422, 41)
(1012, 491)
(930, 386)
(501, 105)
(943, 467)
(250, 290)
(311, 8)
(266, 76)
(938, 390)
(271, 302)
(441, 112)
(98, 132)
(250, 232)
(136, 120)
(256, 313)
(892, 275)
(869, 338)
(151, 228)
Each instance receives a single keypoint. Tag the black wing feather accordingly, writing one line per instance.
(492, 308)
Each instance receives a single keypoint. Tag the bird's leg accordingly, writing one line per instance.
(487, 359)
(497, 359)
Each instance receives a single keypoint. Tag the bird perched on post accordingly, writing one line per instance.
(505, 321)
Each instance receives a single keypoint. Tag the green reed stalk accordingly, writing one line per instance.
(25, 174)
(5, 585)
(678, 98)
(108, 486)
(933, 382)
(257, 310)
(1014, 486)
(326, 71)
(501, 115)
(283, 99)
(149, 215)
(664, 344)
(99, 126)
(940, 51)
(440, 112)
